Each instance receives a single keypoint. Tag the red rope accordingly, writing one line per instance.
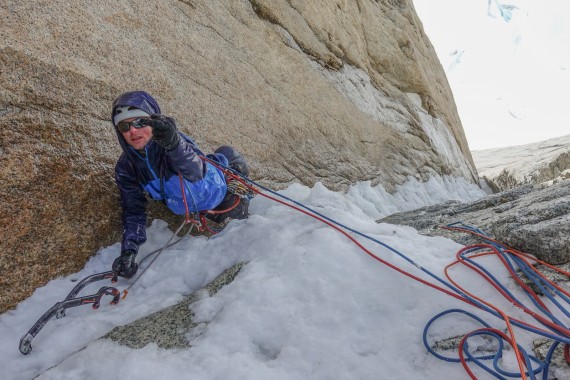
(526, 255)
(184, 199)
(461, 349)
(511, 340)
(234, 205)
(523, 256)
(343, 232)
(493, 250)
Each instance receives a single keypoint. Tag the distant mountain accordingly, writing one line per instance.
(542, 162)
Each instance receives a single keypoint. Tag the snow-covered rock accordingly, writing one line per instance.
(542, 162)
(533, 218)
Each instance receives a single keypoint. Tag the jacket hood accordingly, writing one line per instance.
(138, 99)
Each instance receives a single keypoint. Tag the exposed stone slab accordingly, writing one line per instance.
(545, 161)
(169, 328)
(533, 219)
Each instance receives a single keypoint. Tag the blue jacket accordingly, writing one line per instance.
(155, 173)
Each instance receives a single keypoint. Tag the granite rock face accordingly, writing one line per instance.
(174, 326)
(308, 91)
(533, 219)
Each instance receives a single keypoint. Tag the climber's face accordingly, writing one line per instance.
(135, 137)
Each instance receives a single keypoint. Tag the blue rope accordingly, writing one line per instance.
(528, 359)
(521, 265)
(525, 268)
(548, 359)
(498, 370)
(431, 321)
(546, 288)
(478, 360)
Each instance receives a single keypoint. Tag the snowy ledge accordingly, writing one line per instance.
(302, 281)
(175, 327)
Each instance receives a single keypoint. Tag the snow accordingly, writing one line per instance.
(521, 161)
(356, 86)
(508, 65)
(309, 304)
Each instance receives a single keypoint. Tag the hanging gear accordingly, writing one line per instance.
(58, 310)
(239, 188)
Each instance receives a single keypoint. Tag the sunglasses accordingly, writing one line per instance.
(125, 126)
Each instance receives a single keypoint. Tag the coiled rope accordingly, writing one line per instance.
(511, 258)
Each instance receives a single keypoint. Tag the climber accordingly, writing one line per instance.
(157, 159)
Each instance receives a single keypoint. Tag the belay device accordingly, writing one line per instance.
(71, 301)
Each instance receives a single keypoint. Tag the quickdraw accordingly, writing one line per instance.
(237, 187)
(58, 310)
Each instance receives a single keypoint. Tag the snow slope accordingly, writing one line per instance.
(309, 305)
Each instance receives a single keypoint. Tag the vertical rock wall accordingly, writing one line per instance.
(332, 91)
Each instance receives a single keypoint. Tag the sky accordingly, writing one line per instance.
(508, 65)
(310, 304)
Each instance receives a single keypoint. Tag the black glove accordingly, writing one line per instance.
(164, 131)
(125, 265)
